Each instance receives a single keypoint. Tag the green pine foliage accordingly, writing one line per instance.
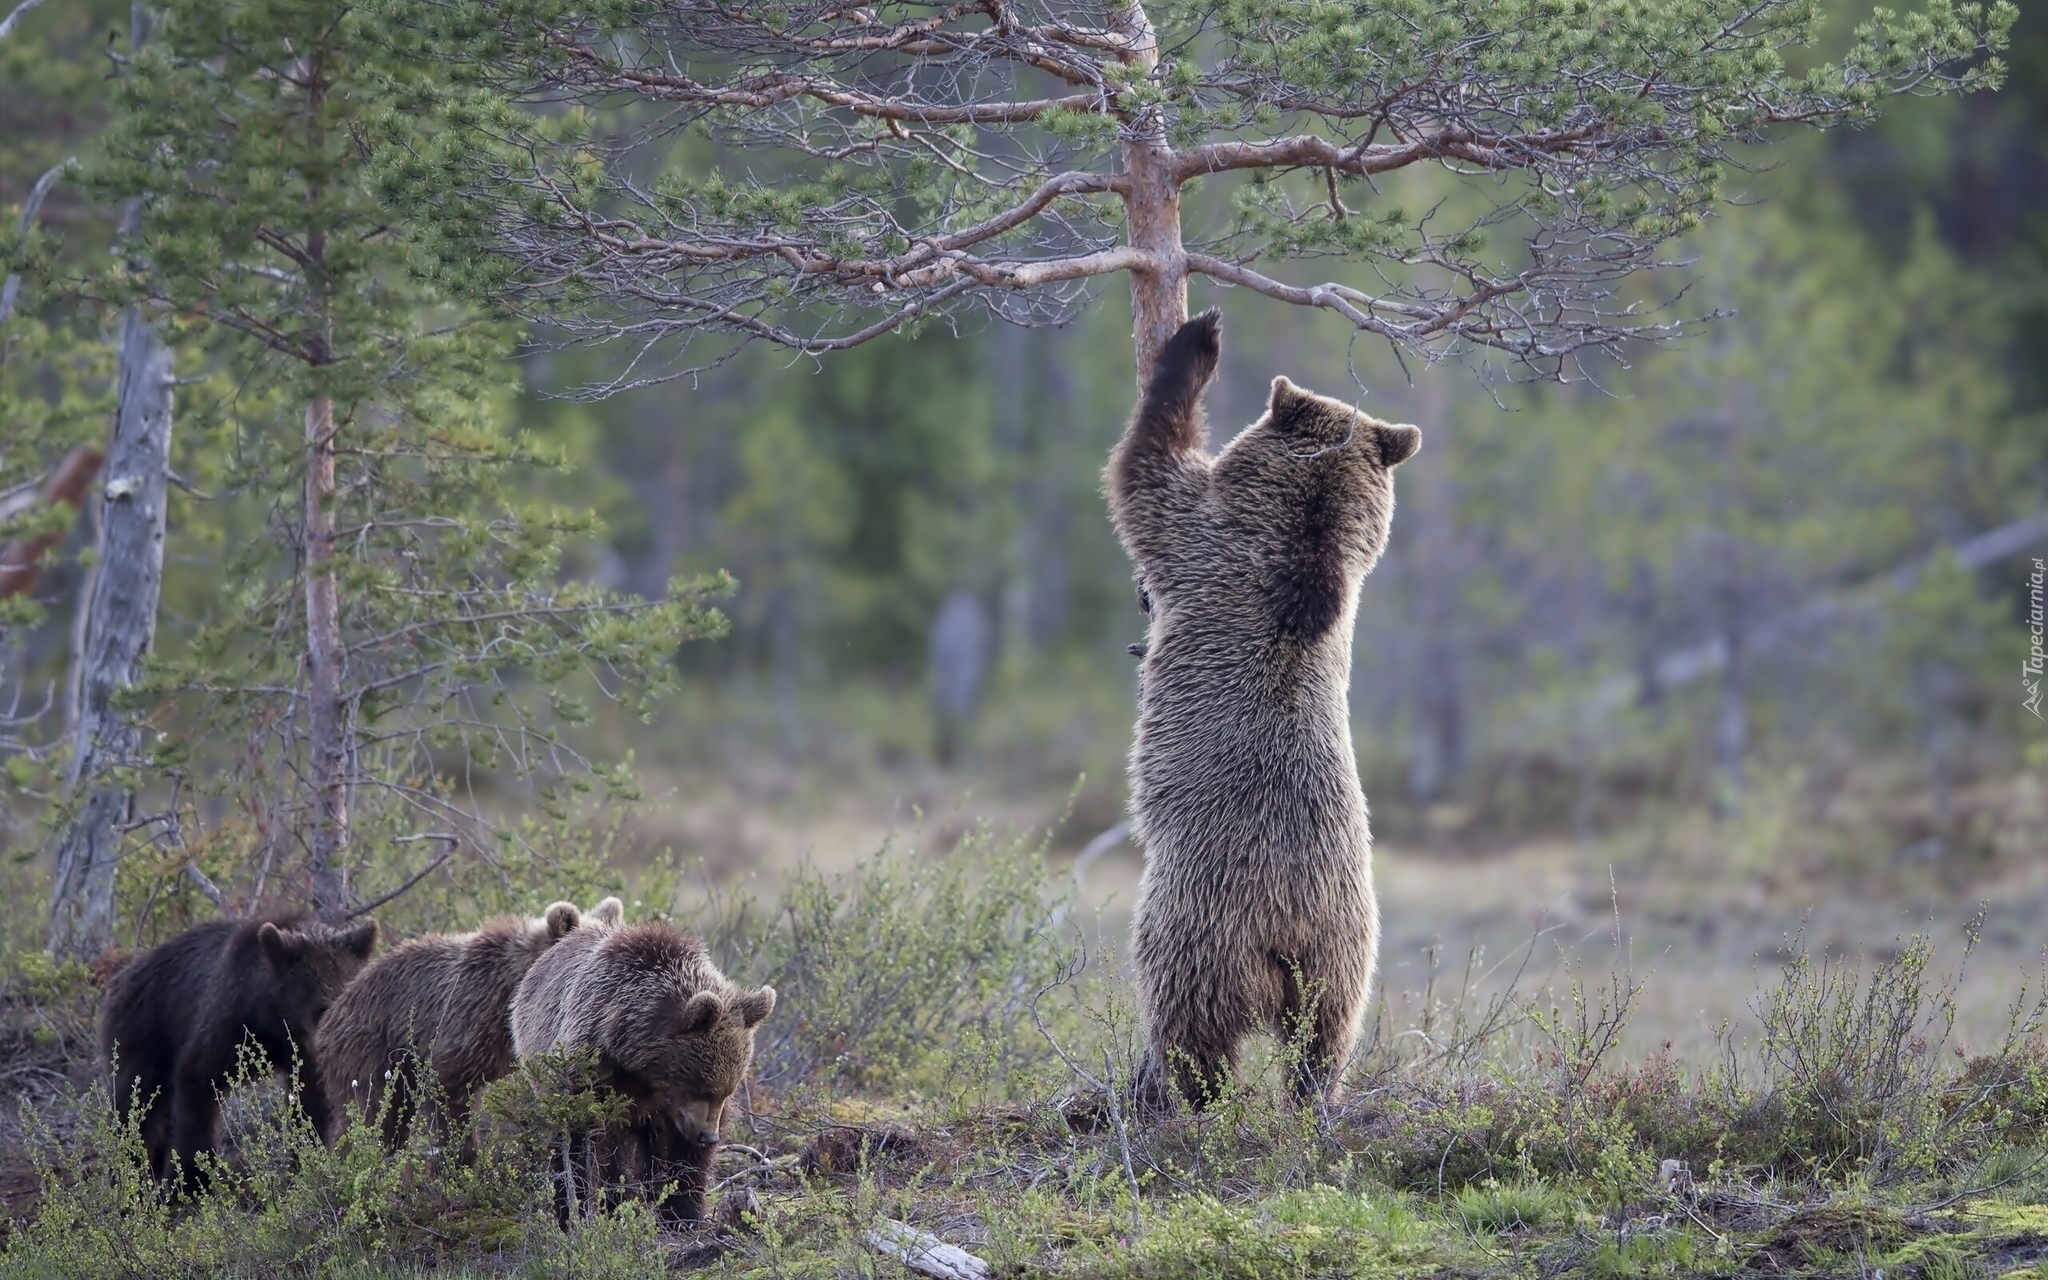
(468, 659)
(809, 174)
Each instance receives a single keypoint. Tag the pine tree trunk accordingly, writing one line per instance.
(120, 626)
(329, 737)
(1159, 293)
(21, 562)
(328, 714)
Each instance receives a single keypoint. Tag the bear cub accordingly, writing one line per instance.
(1256, 908)
(445, 999)
(176, 1014)
(673, 1038)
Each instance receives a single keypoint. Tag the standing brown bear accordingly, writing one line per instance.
(1256, 907)
(673, 1038)
(176, 1014)
(446, 998)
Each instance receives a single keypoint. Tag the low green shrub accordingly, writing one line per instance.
(945, 1053)
(905, 975)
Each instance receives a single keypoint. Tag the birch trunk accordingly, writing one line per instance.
(119, 629)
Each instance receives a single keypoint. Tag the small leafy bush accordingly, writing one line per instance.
(900, 973)
(279, 1202)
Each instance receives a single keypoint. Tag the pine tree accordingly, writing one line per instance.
(388, 601)
(815, 174)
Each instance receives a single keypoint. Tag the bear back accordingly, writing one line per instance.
(1306, 496)
(443, 997)
(664, 1020)
(273, 975)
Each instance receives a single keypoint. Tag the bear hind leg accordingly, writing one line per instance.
(195, 1120)
(1318, 1024)
(1172, 1074)
(1192, 1048)
(143, 1096)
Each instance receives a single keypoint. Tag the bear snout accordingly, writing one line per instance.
(698, 1122)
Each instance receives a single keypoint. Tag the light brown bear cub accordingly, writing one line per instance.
(1256, 907)
(673, 1037)
(444, 999)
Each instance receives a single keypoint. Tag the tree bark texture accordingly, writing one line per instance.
(1151, 195)
(327, 746)
(119, 629)
(1159, 290)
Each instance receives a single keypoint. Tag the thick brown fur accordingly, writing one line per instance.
(673, 1038)
(176, 1014)
(444, 999)
(1256, 909)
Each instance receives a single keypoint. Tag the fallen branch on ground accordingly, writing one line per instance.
(925, 1253)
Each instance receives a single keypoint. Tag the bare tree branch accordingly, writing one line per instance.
(20, 11)
(454, 843)
(32, 207)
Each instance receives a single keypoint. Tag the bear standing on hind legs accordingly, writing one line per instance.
(1256, 909)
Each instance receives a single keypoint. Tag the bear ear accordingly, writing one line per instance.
(562, 918)
(756, 1005)
(1398, 444)
(280, 948)
(610, 911)
(698, 1013)
(360, 940)
(1285, 397)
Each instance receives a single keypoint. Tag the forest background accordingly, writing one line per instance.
(1685, 695)
(1675, 659)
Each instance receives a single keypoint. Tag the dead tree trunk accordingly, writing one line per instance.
(1437, 563)
(119, 629)
(1731, 721)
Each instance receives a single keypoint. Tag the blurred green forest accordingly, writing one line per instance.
(1688, 584)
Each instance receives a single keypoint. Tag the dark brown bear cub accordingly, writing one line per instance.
(444, 998)
(175, 1016)
(673, 1037)
(1256, 908)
